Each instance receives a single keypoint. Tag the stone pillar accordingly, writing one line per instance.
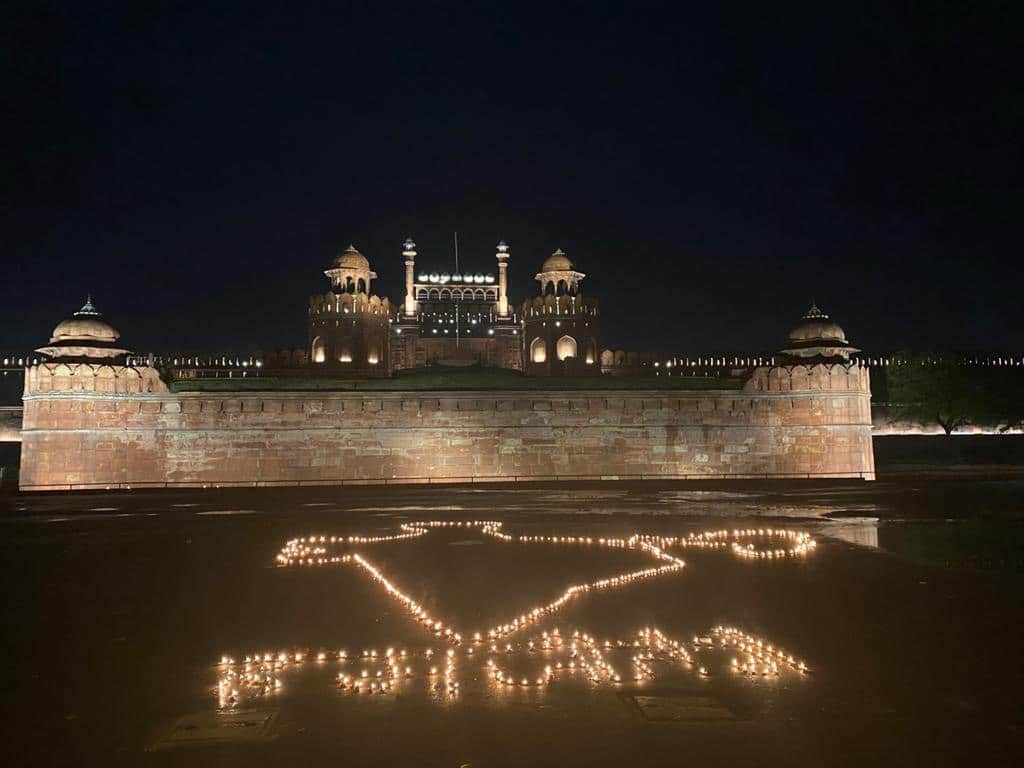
(502, 257)
(410, 265)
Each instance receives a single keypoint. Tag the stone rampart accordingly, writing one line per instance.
(92, 377)
(786, 422)
(10, 424)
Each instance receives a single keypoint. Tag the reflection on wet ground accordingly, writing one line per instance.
(829, 624)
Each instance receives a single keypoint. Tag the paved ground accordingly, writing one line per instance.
(119, 607)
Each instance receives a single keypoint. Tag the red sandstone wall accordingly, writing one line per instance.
(90, 439)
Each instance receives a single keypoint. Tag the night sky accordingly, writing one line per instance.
(710, 170)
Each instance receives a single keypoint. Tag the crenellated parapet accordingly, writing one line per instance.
(619, 362)
(339, 304)
(58, 377)
(285, 358)
(562, 306)
(837, 377)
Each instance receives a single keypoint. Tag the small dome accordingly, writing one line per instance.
(86, 326)
(557, 262)
(352, 259)
(816, 326)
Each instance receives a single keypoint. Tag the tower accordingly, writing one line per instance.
(348, 325)
(409, 252)
(502, 257)
(85, 355)
(560, 326)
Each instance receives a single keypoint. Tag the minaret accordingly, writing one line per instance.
(502, 257)
(410, 263)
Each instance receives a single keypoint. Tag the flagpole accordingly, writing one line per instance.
(456, 302)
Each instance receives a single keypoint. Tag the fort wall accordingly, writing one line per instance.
(90, 427)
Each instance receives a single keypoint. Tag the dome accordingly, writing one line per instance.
(816, 326)
(85, 337)
(816, 337)
(352, 259)
(557, 262)
(85, 326)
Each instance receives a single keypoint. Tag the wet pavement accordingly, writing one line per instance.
(128, 620)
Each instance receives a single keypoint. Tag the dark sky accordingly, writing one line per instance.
(711, 170)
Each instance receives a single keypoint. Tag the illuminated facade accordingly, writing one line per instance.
(94, 417)
(560, 326)
(449, 318)
(348, 325)
(465, 318)
(455, 318)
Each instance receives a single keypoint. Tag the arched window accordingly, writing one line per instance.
(561, 288)
(361, 286)
(538, 350)
(434, 294)
(318, 352)
(566, 347)
(421, 293)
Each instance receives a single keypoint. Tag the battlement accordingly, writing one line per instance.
(338, 304)
(563, 305)
(848, 377)
(91, 377)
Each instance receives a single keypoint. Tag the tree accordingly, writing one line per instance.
(1009, 394)
(940, 390)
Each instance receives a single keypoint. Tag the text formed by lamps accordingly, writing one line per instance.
(555, 653)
